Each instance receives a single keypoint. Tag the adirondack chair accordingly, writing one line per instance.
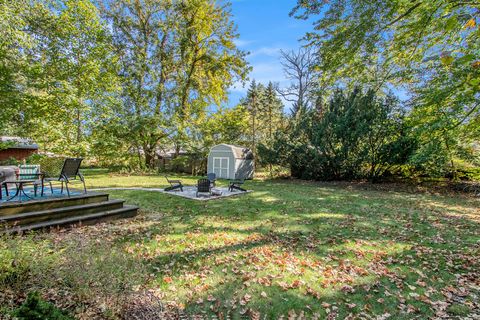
(174, 185)
(70, 172)
(213, 178)
(236, 185)
(204, 186)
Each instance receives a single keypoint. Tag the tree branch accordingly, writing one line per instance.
(404, 14)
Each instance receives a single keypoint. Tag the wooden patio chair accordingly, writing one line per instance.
(204, 186)
(213, 178)
(236, 185)
(174, 185)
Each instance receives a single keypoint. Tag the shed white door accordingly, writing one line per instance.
(221, 167)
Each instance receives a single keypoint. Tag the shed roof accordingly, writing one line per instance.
(19, 143)
(239, 152)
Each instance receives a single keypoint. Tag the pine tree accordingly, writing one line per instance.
(272, 107)
(272, 110)
(254, 108)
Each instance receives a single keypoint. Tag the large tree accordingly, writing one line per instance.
(254, 106)
(55, 65)
(225, 125)
(78, 54)
(272, 108)
(12, 62)
(177, 58)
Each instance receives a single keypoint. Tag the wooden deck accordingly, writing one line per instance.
(62, 212)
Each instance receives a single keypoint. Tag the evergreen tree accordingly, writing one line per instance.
(272, 116)
(357, 135)
(272, 109)
(253, 104)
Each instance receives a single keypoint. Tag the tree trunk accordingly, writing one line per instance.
(79, 127)
(270, 132)
(254, 130)
(149, 158)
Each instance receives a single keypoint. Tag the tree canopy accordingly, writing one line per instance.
(120, 82)
(125, 75)
(430, 48)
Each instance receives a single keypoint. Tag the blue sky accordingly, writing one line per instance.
(265, 27)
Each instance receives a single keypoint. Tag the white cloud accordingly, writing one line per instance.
(268, 71)
(266, 51)
(242, 43)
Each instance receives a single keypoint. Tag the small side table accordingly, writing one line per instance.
(38, 177)
(20, 184)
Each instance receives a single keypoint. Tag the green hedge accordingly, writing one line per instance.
(51, 166)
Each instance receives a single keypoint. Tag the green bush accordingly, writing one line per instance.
(179, 164)
(356, 135)
(10, 162)
(35, 308)
(51, 166)
(469, 174)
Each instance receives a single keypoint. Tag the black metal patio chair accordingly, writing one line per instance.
(204, 186)
(174, 185)
(236, 185)
(70, 172)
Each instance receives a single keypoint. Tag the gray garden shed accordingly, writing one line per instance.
(231, 162)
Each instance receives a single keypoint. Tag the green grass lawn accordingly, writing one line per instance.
(290, 249)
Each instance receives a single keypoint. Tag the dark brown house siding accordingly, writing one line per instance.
(16, 153)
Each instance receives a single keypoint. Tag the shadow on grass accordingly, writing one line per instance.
(394, 236)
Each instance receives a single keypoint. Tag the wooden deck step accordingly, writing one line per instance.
(15, 207)
(124, 212)
(26, 218)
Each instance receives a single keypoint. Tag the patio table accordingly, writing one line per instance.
(20, 184)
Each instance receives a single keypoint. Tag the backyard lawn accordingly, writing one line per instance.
(290, 248)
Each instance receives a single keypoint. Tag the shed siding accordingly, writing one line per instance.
(238, 167)
(244, 169)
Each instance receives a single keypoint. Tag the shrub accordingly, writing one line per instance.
(356, 135)
(179, 164)
(10, 162)
(35, 308)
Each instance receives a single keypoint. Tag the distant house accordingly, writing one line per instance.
(169, 154)
(231, 162)
(16, 147)
(165, 158)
